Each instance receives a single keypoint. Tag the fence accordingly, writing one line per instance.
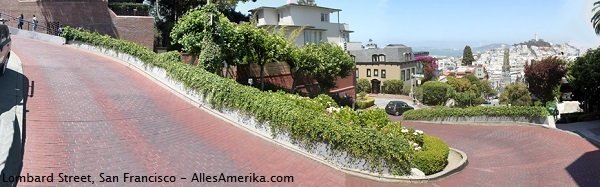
(42, 27)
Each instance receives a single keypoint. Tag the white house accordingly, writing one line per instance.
(319, 24)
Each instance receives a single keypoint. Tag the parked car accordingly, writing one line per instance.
(397, 108)
(4, 47)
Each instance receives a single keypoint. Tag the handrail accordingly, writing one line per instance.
(29, 24)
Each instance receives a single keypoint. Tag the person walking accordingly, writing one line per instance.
(20, 26)
(35, 22)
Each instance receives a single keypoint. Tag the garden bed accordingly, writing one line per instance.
(481, 114)
(365, 141)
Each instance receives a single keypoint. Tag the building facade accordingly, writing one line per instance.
(393, 62)
(317, 24)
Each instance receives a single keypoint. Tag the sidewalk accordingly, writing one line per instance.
(588, 129)
(11, 117)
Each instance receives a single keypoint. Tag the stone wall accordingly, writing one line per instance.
(89, 14)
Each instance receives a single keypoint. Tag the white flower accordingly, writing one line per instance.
(417, 148)
(419, 131)
(404, 130)
(329, 110)
(415, 144)
(415, 133)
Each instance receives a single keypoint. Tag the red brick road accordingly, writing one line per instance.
(90, 114)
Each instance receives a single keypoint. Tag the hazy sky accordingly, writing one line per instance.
(455, 23)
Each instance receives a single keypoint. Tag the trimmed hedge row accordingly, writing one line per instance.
(444, 112)
(377, 141)
(365, 103)
(434, 156)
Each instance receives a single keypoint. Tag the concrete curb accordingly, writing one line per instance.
(482, 123)
(188, 98)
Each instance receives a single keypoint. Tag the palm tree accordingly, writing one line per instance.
(596, 17)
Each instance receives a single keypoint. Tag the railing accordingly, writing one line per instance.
(46, 27)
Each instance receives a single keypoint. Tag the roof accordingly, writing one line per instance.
(392, 54)
(297, 5)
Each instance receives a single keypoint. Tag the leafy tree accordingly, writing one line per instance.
(363, 85)
(596, 18)
(468, 58)
(436, 93)
(307, 2)
(393, 86)
(516, 94)
(167, 12)
(325, 62)
(584, 78)
(429, 67)
(465, 99)
(544, 77)
(459, 85)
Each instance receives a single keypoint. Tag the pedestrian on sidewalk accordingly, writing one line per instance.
(20, 25)
(35, 22)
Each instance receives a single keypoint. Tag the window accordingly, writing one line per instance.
(408, 74)
(357, 73)
(320, 36)
(383, 73)
(324, 17)
(402, 75)
(353, 58)
(278, 17)
(368, 72)
(376, 72)
(381, 58)
(375, 58)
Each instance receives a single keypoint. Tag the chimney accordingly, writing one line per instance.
(292, 2)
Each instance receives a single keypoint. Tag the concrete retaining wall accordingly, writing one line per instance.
(483, 120)
(37, 36)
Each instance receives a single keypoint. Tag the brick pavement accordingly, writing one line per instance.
(90, 114)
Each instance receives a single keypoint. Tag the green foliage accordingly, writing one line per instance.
(325, 62)
(363, 85)
(516, 94)
(584, 77)
(325, 101)
(393, 86)
(465, 99)
(436, 93)
(365, 103)
(467, 59)
(307, 2)
(373, 138)
(434, 156)
(444, 112)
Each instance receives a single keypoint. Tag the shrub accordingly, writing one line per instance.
(516, 94)
(303, 119)
(434, 156)
(444, 112)
(465, 99)
(393, 86)
(363, 85)
(365, 103)
(436, 93)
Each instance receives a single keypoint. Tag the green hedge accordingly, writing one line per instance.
(377, 141)
(393, 86)
(434, 156)
(443, 112)
(365, 103)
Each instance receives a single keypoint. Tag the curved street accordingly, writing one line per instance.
(90, 114)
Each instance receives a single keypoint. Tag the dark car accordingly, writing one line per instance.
(397, 108)
(4, 47)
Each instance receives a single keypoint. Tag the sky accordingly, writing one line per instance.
(456, 23)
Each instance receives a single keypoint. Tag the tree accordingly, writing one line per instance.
(516, 94)
(584, 78)
(468, 58)
(459, 85)
(596, 18)
(167, 12)
(363, 85)
(307, 2)
(436, 93)
(393, 86)
(544, 77)
(429, 67)
(325, 62)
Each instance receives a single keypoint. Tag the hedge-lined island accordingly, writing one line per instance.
(366, 136)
